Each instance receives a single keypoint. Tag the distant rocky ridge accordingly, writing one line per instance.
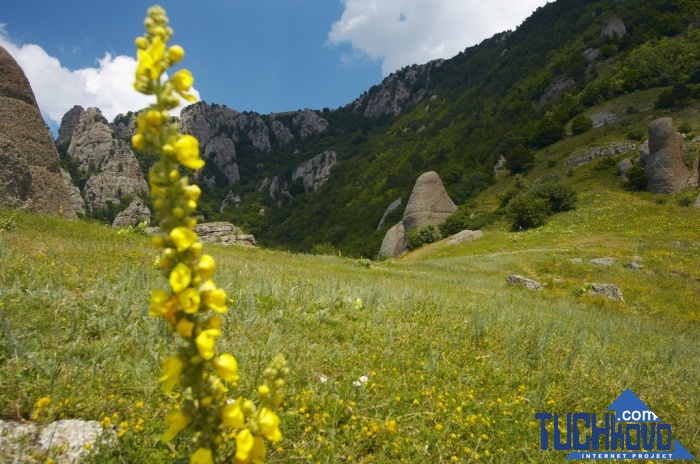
(30, 175)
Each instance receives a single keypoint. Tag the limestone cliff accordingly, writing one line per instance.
(315, 171)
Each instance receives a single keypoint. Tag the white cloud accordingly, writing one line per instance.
(108, 86)
(404, 32)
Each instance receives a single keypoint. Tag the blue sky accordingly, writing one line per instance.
(250, 55)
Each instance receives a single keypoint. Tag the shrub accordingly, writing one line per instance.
(324, 248)
(581, 124)
(463, 219)
(561, 196)
(418, 237)
(528, 211)
(637, 178)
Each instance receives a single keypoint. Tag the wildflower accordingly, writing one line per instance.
(187, 151)
(184, 327)
(180, 277)
(176, 422)
(183, 238)
(356, 383)
(269, 425)
(244, 445)
(364, 379)
(42, 402)
(323, 379)
(182, 81)
(175, 53)
(227, 367)
(205, 343)
(201, 456)
(232, 415)
(172, 368)
(149, 60)
(160, 301)
(189, 300)
(206, 266)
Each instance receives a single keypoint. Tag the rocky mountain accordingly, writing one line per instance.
(30, 175)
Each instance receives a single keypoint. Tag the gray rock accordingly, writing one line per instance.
(603, 119)
(576, 260)
(500, 166)
(643, 153)
(429, 203)
(557, 88)
(91, 140)
(315, 171)
(68, 122)
(523, 281)
(136, 213)
(609, 291)
(280, 132)
(634, 265)
(589, 154)
(66, 440)
(124, 127)
(465, 236)
(393, 243)
(591, 54)
(223, 233)
(623, 167)
(665, 169)
(230, 200)
(395, 204)
(614, 27)
(28, 147)
(222, 152)
(76, 200)
(608, 261)
(309, 123)
(697, 202)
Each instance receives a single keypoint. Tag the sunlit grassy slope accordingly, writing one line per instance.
(457, 363)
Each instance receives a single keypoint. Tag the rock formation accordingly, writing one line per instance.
(428, 204)
(465, 236)
(91, 140)
(557, 88)
(281, 134)
(76, 199)
(136, 213)
(614, 27)
(665, 168)
(231, 200)
(223, 233)
(610, 291)
(315, 171)
(395, 204)
(397, 92)
(68, 122)
(30, 160)
(309, 123)
(530, 284)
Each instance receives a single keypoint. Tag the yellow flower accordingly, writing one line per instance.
(176, 53)
(160, 303)
(269, 425)
(192, 192)
(183, 238)
(150, 60)
(244, 445)
(184, 328)
(182, 81)
(205, 343)
(42, 402)
(189, 300)
(201, 456)
(232, 416)
(215, 298)
(180, 277)
(227, 367)
(176, 422)
(206, 266)
(187, 152)
(172, 368)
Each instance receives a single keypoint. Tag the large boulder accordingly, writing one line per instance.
(429, 203)
(136, 213)
(395, 204)
(223, 233)
(393, 243)
(665, 168)
(465, 236)
(28, 153)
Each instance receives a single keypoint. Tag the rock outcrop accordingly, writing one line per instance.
(136, 213)
(397, 92)
(315, 171)
(393, 242)
(76, 199)
(429, 203)
(281, 133)
(223, 233)
(31, 165)
(530, 284)
(614, 27)
(665, 168)
(609, 291)
(465, 236)
(68, 122)
(589, 154)
(91, 140)
(557, 89)
(309, 123)
(395, 204)
(230, 201)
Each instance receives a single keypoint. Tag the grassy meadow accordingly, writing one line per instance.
(426, 358)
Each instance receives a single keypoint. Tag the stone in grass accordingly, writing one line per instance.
(525, 282)
(607, 261)
(465, 236)
(634, 265)
(67, 440)
(609, 291)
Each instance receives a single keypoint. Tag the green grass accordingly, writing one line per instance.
(457, 362)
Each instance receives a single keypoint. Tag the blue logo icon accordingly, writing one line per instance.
(630, 431)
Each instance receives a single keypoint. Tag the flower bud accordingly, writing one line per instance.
(175, 53)
(141, 43)
(138, 142)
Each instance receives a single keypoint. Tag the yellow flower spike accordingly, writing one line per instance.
(180, 277)
(160, 302)
(202, 456)
(187, 152)
(216, 300)
(244, 445)
(185, 327)
(192, 192)
(182, 81)
(189, 300)
(205, 343)
(227, 367)
(257, 453)
(172, 369)
(263, 391)
(269, 425)
(183, 238)
(232, 415)
(156, 51)
(206, 266)
(176, 422)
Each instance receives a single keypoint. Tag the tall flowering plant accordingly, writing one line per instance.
(191, 303)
